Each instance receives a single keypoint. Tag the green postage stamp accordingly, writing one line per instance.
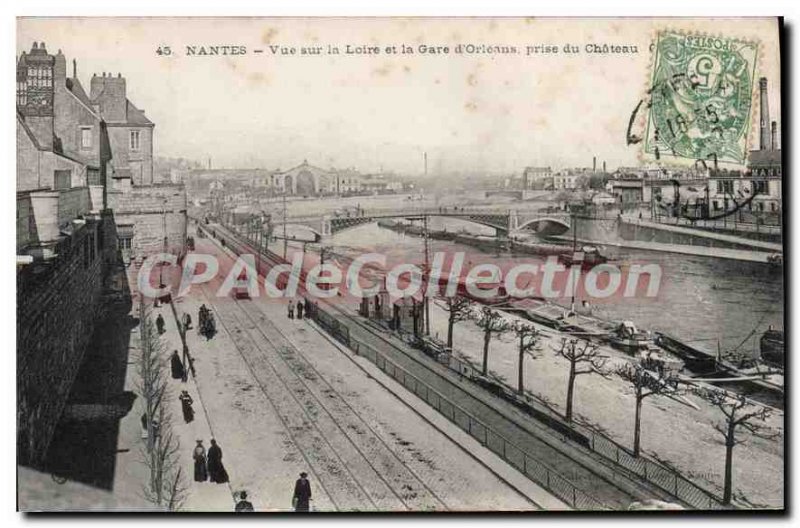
(700, 97)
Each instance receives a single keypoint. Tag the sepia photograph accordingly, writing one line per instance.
(400, 264)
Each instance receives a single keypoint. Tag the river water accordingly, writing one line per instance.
(705, 301)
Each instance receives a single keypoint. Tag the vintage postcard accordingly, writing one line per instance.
(399, 264)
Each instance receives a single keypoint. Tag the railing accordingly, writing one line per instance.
(512, 453)
(651, 471)
(665, 478)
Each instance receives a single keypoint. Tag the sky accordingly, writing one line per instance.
(471, 113)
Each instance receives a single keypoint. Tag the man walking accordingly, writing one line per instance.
(244, 505)
(302, 493)
(299, 309)
(160, 324)
(291, 309)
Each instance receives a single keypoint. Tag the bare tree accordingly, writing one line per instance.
(491, 322)
(738, 413)
(167, 488)
(584, 358)
(458, 309)
(528, 339)
(160, 453)
(645, 383)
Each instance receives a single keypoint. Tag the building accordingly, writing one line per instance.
(539, 178)
(303, 180)
(87, 205)
(762, 180)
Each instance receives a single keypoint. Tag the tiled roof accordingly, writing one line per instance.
(764, 157)
(136, 116)
(74, 86)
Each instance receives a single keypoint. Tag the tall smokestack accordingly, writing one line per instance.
(425, 155)
(764, 136)
(594, 163)
(774, 135)
(604, 165)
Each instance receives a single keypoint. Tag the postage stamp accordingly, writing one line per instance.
(700, 97)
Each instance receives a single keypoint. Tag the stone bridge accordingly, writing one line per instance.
(505, 222)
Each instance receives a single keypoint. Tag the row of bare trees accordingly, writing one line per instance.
(584, 357)
(166, 487)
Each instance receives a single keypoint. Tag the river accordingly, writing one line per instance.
(704, 301)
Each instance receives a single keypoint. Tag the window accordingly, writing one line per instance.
(86, 137)
(62, 180)
(760, 186)
(93, 177)
(22, 93)
(134, 140)
(724, 187)
(124, 243)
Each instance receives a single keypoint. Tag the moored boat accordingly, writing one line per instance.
(628, 338)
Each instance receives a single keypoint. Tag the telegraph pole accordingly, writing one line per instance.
(574, 255)
(284, 225)
(427, 276)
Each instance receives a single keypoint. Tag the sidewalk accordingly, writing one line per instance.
(131, 473)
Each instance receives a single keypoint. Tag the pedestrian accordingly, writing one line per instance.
(300, 309)
(160, 324)
(302, 493)
(144, 425)
(201, 317)
(244, 505)
(291, 309)
(187, 321)
(308, 308)
(200, 469)
(186, 406)
(216, 471)
(177, 365)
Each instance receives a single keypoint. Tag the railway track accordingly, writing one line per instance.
(338, 444)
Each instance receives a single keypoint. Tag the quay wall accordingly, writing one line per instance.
(616, 231)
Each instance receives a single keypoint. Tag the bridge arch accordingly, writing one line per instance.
(547, 226)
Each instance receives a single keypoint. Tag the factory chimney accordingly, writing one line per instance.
(594, 163)
(774, 135)
(765, 132)
(604, 166)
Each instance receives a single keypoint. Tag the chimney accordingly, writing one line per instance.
(594, 163)
(764, 143)
(74, 69)
(110, 93)
(60, 69)
(774, 135)
(604, 165)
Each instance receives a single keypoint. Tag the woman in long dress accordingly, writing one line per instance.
(216, 471)
(200, 469)
(186, 406)
(177, 365)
